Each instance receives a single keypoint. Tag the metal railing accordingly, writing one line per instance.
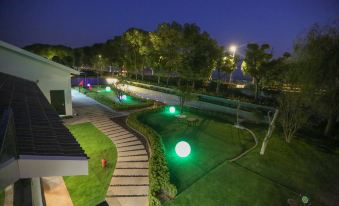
(7, 136)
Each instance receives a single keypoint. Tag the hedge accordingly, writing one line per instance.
(161, 189)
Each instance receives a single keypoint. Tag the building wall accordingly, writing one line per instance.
(47, 76)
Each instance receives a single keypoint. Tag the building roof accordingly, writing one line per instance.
(37, 57)
(38, 129)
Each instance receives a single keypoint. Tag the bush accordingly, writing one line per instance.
(159, 174)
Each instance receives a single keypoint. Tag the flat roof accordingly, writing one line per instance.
(39, 131)
(37, 57)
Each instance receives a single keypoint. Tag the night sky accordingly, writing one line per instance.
(78, 23)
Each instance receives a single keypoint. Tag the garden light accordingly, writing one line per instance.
(108, 89)
(182, 149)
(123, 97)
(88, 85)
(172, 109)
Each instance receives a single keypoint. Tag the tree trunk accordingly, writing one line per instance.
(193, 84)
(218, 83)
(158, 79)
(179, 82)
(136, 76)
(168, 76)
(230, 80)
(331, 120)
(269, 133)
(256, 90)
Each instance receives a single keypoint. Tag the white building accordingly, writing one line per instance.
(53, 79)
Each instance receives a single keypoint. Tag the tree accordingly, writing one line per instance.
(292, 113)
(254, 63)
(167, 46)
(225, 63)
(317, 55)
(184, 93)
(199, 54)
(136, 44)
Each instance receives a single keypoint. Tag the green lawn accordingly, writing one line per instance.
(211, 142)
(285, 171)
(2, 197)
(91, 190)
(110, 99)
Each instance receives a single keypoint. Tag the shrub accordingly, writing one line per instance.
(160, 185)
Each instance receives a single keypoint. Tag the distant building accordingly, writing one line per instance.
(53, 79)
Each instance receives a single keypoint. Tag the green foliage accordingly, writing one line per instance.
(158, 172)
(316, 55)
(2, 197)
(254, 63)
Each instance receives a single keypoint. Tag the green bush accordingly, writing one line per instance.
(160, 185)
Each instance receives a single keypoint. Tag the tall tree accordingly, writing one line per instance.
(199, 54)
(136, 43)
(254, 63)
(167, 43)
(225, 63)
(317, 55)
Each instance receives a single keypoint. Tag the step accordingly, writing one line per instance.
(116, 137)
(124, 144)
(133, 153)
(133, 158)
(130, 148)
(108, 126)
(112, 130)
(128, 201)
(125, 139)
(127, 190)
(135, 144)
(130, 172)
(131, 165)
(129, 181)
(117, 131)
(113, 134)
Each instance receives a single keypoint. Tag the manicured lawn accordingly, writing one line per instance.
(2, 197)
(110, 99)
(91, 190)
(285, 171)
(212, 142)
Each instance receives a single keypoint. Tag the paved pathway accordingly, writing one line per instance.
(130, 182)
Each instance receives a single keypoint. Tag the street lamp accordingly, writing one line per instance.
(233, 49)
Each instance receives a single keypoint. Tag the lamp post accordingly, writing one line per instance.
(233, 49)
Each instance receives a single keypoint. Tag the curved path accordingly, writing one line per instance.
(130, 183)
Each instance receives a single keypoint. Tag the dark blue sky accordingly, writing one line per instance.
(79, 22)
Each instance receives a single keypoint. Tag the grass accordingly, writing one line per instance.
(110, 99)
(91, 190)
(210, 145)
(205, 178)
(2, 197)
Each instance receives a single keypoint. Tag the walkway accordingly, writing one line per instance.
(130, 182)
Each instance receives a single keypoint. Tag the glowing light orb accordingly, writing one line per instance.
(123, 97)
(88, 84)
(108, 89)
(172, 109)
(183, 149)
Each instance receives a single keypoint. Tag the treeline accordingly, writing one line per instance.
(183, 50)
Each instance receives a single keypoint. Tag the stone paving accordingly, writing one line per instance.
(130, 182)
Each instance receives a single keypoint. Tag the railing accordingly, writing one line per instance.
(7, 136)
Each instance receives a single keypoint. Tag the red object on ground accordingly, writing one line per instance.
(103, 163)
(90, 87)
(81, 84)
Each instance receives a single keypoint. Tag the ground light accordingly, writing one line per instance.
(108, 89)
(183, 149)
(123, 97)
(172, 109)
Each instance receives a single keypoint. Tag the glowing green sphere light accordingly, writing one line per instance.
(183, 149)
(172, 109)
(123, 97)
(108, 89)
